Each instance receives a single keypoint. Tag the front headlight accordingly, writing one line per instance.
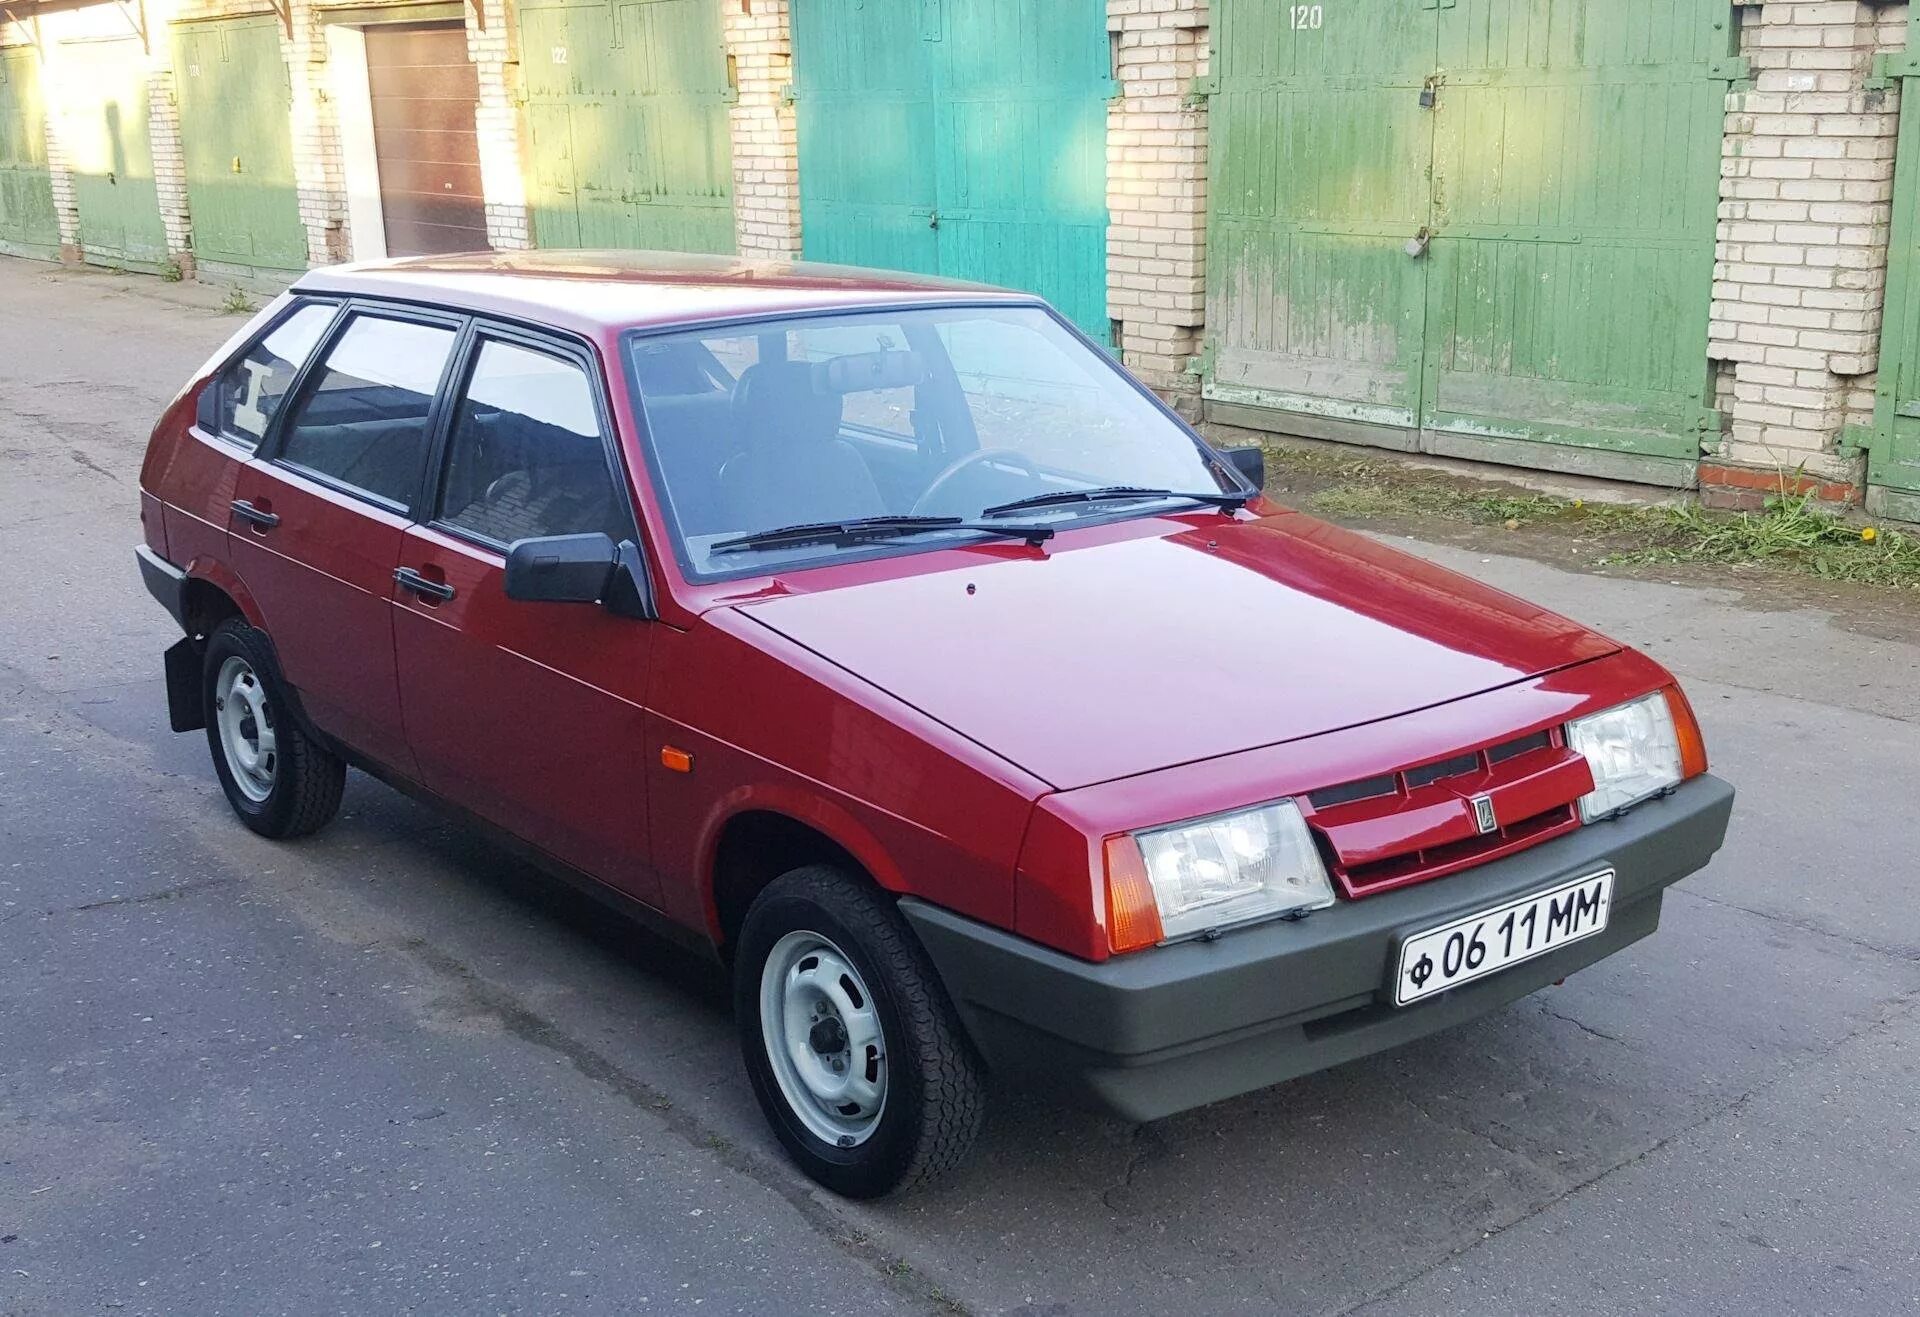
(1634, 751)
(1211, 873)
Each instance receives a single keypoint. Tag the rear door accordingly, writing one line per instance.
(528, 714)
(318, 518)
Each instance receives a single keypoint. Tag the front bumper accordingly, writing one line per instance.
(1161, 1031)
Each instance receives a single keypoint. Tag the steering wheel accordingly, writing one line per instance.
(966, 461)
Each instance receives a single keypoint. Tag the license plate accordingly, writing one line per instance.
(1484, 943)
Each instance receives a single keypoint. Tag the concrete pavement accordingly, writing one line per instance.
(389, 1068)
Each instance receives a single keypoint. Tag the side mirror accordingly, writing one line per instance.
(580, 569)
(1251, 463)
(560, 569)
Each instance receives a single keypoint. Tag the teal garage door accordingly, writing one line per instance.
(966, 138)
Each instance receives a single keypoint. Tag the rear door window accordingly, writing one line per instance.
(248, 393)
(527, 456)
(363, 420)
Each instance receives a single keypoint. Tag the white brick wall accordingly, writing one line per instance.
(491, 46)
(61, 177)
(766, 161)
(319, 169)
(169, 164)
(1806, 205)
(1157, 189)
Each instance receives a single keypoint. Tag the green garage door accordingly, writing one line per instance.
(102, 117)
(237, 135)
(958, 137)
(28, 225)
(1893, 454)
(626, 120)
(1474, 227)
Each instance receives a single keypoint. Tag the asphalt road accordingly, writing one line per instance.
(388, 1069)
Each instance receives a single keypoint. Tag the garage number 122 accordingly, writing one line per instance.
(1305, 18)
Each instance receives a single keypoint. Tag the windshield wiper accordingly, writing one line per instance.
(1114, 493)
(870, 528)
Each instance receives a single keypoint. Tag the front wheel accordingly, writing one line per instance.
(854, 1051)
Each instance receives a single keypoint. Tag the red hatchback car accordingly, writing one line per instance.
(884, 638)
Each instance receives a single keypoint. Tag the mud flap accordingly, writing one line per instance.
(186, 697)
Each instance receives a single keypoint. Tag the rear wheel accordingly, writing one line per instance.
(854, 1051)
(280, 781)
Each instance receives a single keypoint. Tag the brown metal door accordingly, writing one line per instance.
(423, 90)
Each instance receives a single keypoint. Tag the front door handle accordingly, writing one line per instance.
(420, 585)
(260, 517)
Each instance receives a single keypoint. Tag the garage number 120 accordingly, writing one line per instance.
(1305, 18)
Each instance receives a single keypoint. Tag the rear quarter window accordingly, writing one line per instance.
(243, 399)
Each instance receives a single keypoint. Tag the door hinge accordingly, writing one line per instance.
(1201, 88)
(1202, 365)
(788, 94)
(1862, 439)
(1734, 68)
(1890, 67)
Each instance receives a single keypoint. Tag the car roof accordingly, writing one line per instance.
(593, 291)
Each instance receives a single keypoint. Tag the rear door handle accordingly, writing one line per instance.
(259, 517)
(420, 585)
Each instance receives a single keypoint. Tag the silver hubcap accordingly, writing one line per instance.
(246, 728)
(823, 1038)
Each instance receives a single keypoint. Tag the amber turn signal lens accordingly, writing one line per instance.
(1686, 728)
(1133, 916)
(676, 759)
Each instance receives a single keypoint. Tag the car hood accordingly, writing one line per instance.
(1102, 660)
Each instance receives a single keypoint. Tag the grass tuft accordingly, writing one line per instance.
(1792, 532)
(1789, 533)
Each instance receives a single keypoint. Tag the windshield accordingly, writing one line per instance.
(949, 412)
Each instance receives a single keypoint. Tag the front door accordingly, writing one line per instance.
(317, 523)
(423, 90)
(528, 714)
(1469, 227)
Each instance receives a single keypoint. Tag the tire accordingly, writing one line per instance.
(932, 1090)
(280, 781)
